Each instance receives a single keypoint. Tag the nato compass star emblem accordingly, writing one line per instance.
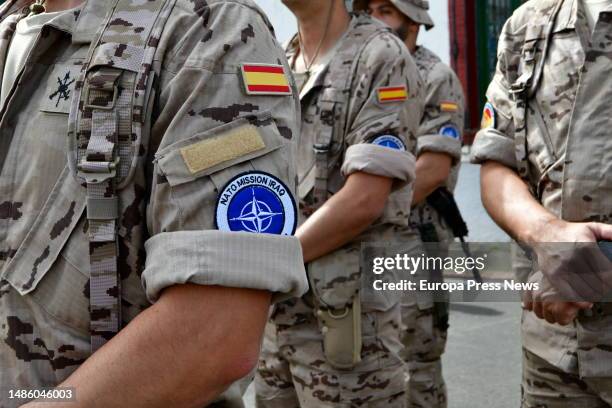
(256, 215)
(256, 202)
(63, 90)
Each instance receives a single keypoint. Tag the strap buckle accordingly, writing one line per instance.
(92, 106)
(95, 172)
(321, 148)
(529, 53)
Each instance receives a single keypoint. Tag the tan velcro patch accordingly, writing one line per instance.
(231, 145)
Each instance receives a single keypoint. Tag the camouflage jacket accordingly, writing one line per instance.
(441, 128)
(384, 63)
(568, 151)
(196, 118)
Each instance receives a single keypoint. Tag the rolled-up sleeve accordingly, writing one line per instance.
(379, 161)
(385, 64)
(209, 130)
(232, 259)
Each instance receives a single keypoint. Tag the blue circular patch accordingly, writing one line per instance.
(390, 141)
(450, 131)
(256, 202)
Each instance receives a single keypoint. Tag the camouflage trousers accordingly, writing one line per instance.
(423, 340)
(293, 371)
(424, 345)
(546, 386)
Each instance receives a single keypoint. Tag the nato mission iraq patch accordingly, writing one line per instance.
(256, 202)
(265, 79)
(390, 141)
(392, 94)
(450, 131)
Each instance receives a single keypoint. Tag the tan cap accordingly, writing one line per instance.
(416, 10)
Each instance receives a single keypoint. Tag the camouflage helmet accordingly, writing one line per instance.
(416, 10)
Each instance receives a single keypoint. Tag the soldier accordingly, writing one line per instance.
(438, 162)
(169, 215)
(546, 152)
(339, 346)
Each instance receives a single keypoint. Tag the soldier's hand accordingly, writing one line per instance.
(547, 304)
(569, 257)
(562, 313)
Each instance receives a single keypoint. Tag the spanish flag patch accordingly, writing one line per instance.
(448, 106)
(488, 117)
(392, 94)
(265, 79)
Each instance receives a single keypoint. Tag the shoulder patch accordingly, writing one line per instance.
(450, 131)
(256, 202)
(488, 116)
(448, 106)
(392, 94)
(265, 79)
(390, 141)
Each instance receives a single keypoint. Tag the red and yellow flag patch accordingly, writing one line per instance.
(265, 79)
(488, 116)
(392, 94)
(448, 106)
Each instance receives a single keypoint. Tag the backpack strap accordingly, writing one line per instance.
(525, 87)
(333, 103)
(105, 131)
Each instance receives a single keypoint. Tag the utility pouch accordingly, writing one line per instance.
(341, 330)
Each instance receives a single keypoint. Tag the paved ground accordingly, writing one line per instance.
(482, 362)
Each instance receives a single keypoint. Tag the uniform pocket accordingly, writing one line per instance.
(196, 170)
(64, 291)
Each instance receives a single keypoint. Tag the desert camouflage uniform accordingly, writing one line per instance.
(440, 131)
(565, 155)
(167, 232)
(294, 370)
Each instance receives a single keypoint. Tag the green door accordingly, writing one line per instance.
(490, 18)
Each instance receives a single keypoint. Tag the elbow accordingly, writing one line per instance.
(239, 366)
(438, 179)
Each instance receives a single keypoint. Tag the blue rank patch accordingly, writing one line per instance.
(256, 202)
(450, 131)
(390, 141)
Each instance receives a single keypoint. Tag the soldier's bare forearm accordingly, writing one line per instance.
(345, 215)
(183, 351)
(510, 203)
(432, 170)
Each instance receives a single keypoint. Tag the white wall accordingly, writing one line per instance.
(437, 39)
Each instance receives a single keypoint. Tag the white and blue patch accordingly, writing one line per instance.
(256, 202)
(450, 131)
(390, 141)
